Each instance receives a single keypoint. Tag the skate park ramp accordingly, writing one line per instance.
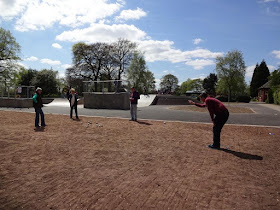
(63, 102)
(146, 100)
(58, 102)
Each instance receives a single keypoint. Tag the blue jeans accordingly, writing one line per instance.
(219, 121)
(39, 111)
(133, 111)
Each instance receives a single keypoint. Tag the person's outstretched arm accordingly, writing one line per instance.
(197, 104)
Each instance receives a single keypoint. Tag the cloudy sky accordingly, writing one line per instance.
(178, 37)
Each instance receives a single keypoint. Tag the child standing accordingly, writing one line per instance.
(73, 99)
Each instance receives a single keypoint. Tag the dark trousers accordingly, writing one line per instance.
(38, 112)
(71, 111)
(219, 121)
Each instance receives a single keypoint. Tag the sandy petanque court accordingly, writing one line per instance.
(116, 164)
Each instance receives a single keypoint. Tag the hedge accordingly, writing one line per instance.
(276, 96)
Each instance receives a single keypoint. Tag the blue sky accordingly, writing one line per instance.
(178, 37)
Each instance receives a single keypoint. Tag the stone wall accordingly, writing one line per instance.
(106, 100)
(16, 102)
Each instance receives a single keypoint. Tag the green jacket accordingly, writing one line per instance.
(37, 101)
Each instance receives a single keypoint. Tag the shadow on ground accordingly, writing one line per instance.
(243, 155)
(144, 123)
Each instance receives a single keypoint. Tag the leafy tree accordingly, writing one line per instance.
(169, 82)
(275, 79)
(9, 55)
(26, 76)
(185, 86)
(9, 48)
(192, 85)
(231, 73)
(197, 85)
(102, 60)
(209, 84)
(260, 77)
(47, 80)
(138, 75)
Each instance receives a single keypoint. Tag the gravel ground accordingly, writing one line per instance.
(105, 163)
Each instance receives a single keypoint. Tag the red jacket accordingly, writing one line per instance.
(215, 107)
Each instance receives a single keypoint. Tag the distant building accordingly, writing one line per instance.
(263, 92)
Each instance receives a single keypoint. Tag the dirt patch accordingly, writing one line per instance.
(232, 109)
(117, 164)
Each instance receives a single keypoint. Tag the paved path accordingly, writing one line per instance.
(264, 115)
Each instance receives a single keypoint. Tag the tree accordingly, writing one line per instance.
(9, 48)
(169, 82)
(275, 79)
(73, 80)
(26, 76)
(231, 73)
(47, 80)
(138, 74)
(196, 85)
(260, 77)
(9, 51)
(209, 84)
(123, 54)
(192, 85)
(186, 86)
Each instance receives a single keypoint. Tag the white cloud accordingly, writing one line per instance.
(56, 45)
(11, 8)
(164, 51)
(102, 33)
(42, 14)
(197, 41)
(271, 68)
(165, 71)
(50, 62)
(131, 14)
(276, 53)
(65, 66)
(200, 63)
(32, 58)
(61, 75)
(154, 50)
(250, 71)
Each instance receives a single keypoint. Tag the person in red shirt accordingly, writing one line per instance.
(218, 113)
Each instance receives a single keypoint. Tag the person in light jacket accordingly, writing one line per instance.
(73, 99)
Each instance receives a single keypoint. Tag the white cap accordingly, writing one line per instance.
(38, 88)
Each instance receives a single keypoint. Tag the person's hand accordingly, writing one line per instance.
(191, 102)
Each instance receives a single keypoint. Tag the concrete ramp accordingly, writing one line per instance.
(58, 102)
(145, 100)
(63, 102)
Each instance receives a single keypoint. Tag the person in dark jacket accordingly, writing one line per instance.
(73, 99)
(218, 113)
(38, 104)
(134, 96)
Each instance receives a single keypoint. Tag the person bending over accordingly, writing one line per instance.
(218, 113)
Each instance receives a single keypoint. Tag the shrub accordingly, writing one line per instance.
(276, 96)
(245, 99)
(222, 98)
